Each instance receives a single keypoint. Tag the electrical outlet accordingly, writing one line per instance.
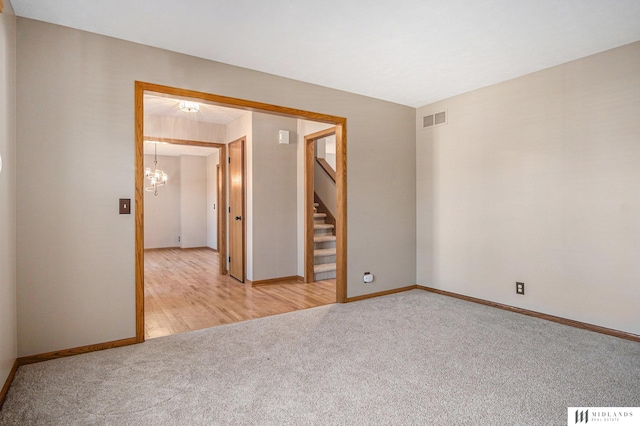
(519, 288)
(368, 277)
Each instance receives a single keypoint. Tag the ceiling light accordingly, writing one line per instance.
(187, 106)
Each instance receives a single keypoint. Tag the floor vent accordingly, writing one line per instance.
(436, 119)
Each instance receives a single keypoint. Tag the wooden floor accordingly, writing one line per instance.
(183, 291)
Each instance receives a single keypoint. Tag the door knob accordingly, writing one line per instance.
(238, 217)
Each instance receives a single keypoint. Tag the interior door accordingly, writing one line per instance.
(236, 210)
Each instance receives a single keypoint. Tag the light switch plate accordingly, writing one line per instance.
(125, 205)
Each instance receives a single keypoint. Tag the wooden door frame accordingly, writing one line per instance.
(341, 178)
(242, 142)
(309, 168)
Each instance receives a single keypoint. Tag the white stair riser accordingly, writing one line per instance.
(324, 276)
(324, 245)
(323, 232)
(317, 260)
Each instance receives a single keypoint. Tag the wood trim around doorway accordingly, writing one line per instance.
(340, 124)
(341, 213)
(341, 206)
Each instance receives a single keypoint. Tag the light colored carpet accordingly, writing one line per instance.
(408, 358)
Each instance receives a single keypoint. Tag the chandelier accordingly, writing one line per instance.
(157, 176)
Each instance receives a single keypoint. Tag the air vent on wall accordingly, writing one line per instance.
(436, 119)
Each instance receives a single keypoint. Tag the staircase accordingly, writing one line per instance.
(324, 247)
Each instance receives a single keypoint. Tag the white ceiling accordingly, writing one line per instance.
(412, 52)
(170, 107)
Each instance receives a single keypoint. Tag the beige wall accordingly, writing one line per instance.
(538, 180)
(274, 249)
(75, 101)
(325, 188)
(162, 213)
(326, 148)
(193, 201)
(323, 185)
(8, 322)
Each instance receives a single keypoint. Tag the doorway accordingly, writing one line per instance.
(312, 240)
(178, 147)
(182, 230)
(339, 122)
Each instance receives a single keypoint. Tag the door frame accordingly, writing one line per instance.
(243, 213)
(341, 178)
(309, 168)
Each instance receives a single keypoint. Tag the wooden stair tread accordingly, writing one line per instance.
(324, 252)
(322, 226)
(324, 238)
(324, 267)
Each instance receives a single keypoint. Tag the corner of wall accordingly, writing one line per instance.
(8, 278)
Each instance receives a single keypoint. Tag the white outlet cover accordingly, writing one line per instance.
(368, 278)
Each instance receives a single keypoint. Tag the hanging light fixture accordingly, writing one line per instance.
(187, 106)
(157, 176)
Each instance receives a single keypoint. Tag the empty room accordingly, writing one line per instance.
(419, 213)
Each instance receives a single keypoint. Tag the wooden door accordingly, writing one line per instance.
(236, 210)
